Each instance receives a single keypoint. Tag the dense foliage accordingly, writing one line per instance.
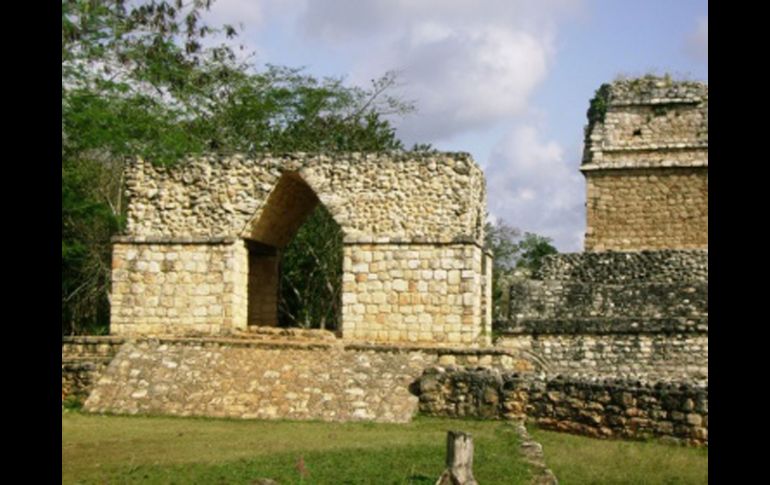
(512, 251)
(311, 275)
(150, 80)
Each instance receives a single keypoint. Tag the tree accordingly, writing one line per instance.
(533, 249)
(510, 251)
(139, 80)
(311, 274)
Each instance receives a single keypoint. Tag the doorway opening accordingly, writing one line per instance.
(295, 260)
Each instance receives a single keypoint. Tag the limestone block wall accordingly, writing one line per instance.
(275, 380)
(391, 292)
(647, 209)
(414, 293)
(607, 408)
(88, 347)
(202, 248)
(646, 166)
(179, 287)
(614, 314)
(486, 294)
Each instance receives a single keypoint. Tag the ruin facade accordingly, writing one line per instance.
(203, 241)
(635, 303)
(612, 341)
(646, 166)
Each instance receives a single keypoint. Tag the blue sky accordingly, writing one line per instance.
(507, 80)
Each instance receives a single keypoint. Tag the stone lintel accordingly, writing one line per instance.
(348, 241)
(174, 240)
(375, 241)
(596, 167)
(657, 101)
(655, 148)
(607, 326)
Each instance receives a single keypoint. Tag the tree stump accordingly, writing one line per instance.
(459, 460)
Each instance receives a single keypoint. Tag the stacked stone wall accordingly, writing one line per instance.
(390, 197)
(653, 356)
(550, 306)
(413, 293)
(646, 166)
(275, 380)
(664, 266)
(611, 408)
(614, 314)
(647, 209)
(83, 361)
(196, 257)
(179, 288)
(391, 292)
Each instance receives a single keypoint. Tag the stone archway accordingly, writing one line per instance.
(290, 202)
(268, 237)
(413, 265)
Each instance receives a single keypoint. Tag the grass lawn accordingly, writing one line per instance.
(117, 449)
(132, 449)
(581, 460)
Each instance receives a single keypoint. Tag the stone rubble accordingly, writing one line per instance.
(602, 408)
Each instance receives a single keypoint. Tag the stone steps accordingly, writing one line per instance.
(260, 332)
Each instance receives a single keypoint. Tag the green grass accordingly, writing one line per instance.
(579, 460)
(118, 449)
(167, 450)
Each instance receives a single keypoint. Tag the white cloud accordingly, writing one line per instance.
(464, 80)
(531, 186)
(345, 20)
(246, 16)
(698, 41)
(246, 13)
(467, 64)
(471, 66)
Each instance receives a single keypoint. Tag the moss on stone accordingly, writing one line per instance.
(598, 106)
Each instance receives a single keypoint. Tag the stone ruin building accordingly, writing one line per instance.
(646, 167)
(202, 248)
(626, 322)
(636, 302)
